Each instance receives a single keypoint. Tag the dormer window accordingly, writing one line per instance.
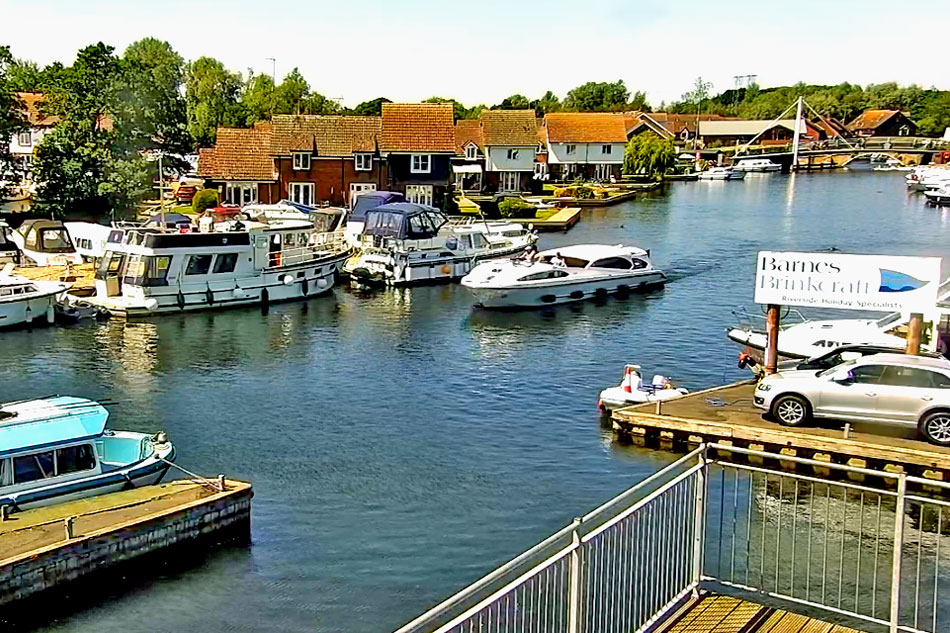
(302, 161)
(513, 154)
(605, 149)
(570, 149)
(471, 151)
(363, 162)
(421, 164)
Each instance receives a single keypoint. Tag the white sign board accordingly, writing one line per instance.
(884, 283)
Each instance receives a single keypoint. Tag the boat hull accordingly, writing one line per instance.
(580, 290)
(614, 398)
(374, 272)
(37, 310)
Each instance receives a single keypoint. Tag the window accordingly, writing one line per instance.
(605, 149)
(509, 181)
(302, 193)
(471, 151)
(612, 262)
(540, 149)
(302, 161)
(912, 377)
(513, 154)
(143, 270)
(25, 139)
(225, 263)
(868, 373)
(241, 193)
(198, 265)
(421, 164)
(545, 274)
(419, 194)
(32, 467)
(570, 149)
(74, 459)
(363, 162)
(55, 241)
(638, 264)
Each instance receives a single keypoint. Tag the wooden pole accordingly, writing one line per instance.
(771, 327)
(913, 333)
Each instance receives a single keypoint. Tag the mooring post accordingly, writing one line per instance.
(68, 524)
(221, 483)
(4, 512)
(914, 329)
(772, 323)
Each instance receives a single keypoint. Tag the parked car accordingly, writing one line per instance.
(830, 358)
(889, 388)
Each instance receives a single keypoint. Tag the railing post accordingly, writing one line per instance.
(898, 551)
(699, 524)
(574, 589)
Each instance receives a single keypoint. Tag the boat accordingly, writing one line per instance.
(563, 275)
(58, 449)
(152, 270)
(938, 197)
(24, 301)
(45, 243)
(633, 390)
(721, 173)
(356, 219)
(892, 164)
(403, 243)
(756, 165)
(924, 178)
(89, 239)
(9, 251)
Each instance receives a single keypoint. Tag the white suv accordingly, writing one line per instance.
(891, 388)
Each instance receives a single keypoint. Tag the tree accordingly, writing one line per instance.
(211, 99)
(458, 110)
(371, 108)
(698, 94)
(24, 75)
(153, 101)
(598, 97)
(548, 103)
(514, 102)
(12, 122)
(649, 155)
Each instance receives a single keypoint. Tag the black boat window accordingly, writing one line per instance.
(55, 240)
(198, 265)
(5, 472)
(110, 265)
(544, 274)
(638, 264)
(32, 467)
(225, 263)
(612, 262)
(74, 459)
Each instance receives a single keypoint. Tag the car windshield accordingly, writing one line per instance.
(847, 363)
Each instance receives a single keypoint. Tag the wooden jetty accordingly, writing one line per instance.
(726, 415)
(47, 548)
(560, 220)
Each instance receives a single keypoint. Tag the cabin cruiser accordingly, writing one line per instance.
(356, 219)
(938, 197)
(404, 243)
(924, 178)
(89, 239)
(151, 270)
(633, 390)
(58, 449)
(756, 165)
(9, 251)
(721, 173)
(45, 243)
(892, 164)
(563, 275)
(23, 300)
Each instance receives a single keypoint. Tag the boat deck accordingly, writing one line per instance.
(82, 276)
(726, 415)
(712, 613)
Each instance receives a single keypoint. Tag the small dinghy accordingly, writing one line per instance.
(633, 390)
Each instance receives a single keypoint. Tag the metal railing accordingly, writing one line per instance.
(834, 539)
(318, 245)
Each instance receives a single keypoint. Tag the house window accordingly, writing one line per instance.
(364, 162)
(357, 188)
(302, 193)
(570, 149)
(419, 194)
(25, 139)
(540, 149)
(471, 151)
(512, 154)
(302, 161)
(240, 193)
(602, 172)
(421, 164)
(605, 149)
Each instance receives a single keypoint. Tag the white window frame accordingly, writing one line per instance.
(419, 194)
(301, 161)
(471, 151)
(606, 149)
(363, 162)
(357, 188)
(419, 166)
(240, 193)
(602, 171)
(295, 189)
(512, 153)
(509, 181)
(540, 149)
(25, 135)
(570, 149)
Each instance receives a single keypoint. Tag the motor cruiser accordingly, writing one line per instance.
(89, 239)
(24, 301)
(58, 449)
(633, 390)
(938, 197)
(356, 219)
(45, 243)
(756, 165)
(9, 251)
(721, 173)
(404, 243)
(563, 275)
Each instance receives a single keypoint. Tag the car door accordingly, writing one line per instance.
(856, 398)
(905, 392)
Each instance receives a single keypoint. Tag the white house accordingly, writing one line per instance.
(585, 144)
(23, 145)
(510, 143)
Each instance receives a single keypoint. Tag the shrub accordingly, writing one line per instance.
(583, 193)
(516, 208)
(204, 199)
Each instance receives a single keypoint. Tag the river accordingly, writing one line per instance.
(402, 444)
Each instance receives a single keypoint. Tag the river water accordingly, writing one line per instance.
(402, 444)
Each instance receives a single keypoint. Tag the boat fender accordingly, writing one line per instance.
(181, 300)
(304, 287)
(577, 294)
(601, 292)
(265, 297)
(287, 279)
(322, 283)
(151, 304)
(209, 296)
(50, 314)
(623, 288)
(549, 298)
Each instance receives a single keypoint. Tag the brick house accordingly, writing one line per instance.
(585, 144)
(418, 142)
(468, 165)
(240, 166)
(882, 123)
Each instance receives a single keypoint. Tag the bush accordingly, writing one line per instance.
(516, 208)
(204, 199)
(584, 193)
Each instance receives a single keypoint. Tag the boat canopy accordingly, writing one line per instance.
(404, 220)
(49, 422)
(371, 200)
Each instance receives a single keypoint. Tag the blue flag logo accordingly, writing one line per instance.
(893, 281)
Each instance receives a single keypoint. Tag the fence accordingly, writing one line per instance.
(874, 551)
(319, 245)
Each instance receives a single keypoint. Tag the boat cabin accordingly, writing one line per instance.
(9, 252)
(597, 256)
(44, 241)
(403, 221)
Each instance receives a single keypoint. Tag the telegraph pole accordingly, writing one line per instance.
(798, 133)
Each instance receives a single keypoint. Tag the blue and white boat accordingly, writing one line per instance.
(58, 449)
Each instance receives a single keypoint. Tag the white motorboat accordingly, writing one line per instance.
(45, 243)
(756, 165)
(152, 270)
(892, 164)
(633, 390)
(88, 238)
(23, 301)
(563, 275)
(721, 173)
(940, 197)
(404, 243)
(924, 178)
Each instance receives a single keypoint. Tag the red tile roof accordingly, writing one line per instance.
(585, 127)
(326, 135)
(467, 131)
(418, 127)
(32, 102)
(871, 119)
(509, 127)
(239, 154)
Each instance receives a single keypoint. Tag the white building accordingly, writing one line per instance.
(585, 144)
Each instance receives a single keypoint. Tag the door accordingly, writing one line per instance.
(857, 398)
(302, 193)
(904, 392)
(509, 181)
(419, 194)
(357, 188)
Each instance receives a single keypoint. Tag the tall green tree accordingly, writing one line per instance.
(648, 155)
(548, 103)
(153, 104)
(12, 122)
(212, 95)
(514, 102)
(598, 97)
(371, 108)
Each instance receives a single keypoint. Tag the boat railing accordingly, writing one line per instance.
(319, 245)
(756, 322)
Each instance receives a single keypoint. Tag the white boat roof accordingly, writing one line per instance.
(595, 251)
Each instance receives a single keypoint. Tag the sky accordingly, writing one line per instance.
(483, 51)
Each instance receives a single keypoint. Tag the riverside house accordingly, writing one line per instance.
(882, 123)
(240, 166)
(585, 144)
(418, 143)
(497, 151)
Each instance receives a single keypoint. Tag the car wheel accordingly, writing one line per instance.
(935, 427)
(791, 410)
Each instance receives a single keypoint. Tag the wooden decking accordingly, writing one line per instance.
(560, 220)
(726, 415)
(82, 276)
(713, 613)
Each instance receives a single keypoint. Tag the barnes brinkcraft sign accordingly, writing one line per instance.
(852, 282)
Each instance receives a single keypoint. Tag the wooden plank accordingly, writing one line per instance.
(741, 616)
(719, 609)
(687, 619)
(783, 622)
